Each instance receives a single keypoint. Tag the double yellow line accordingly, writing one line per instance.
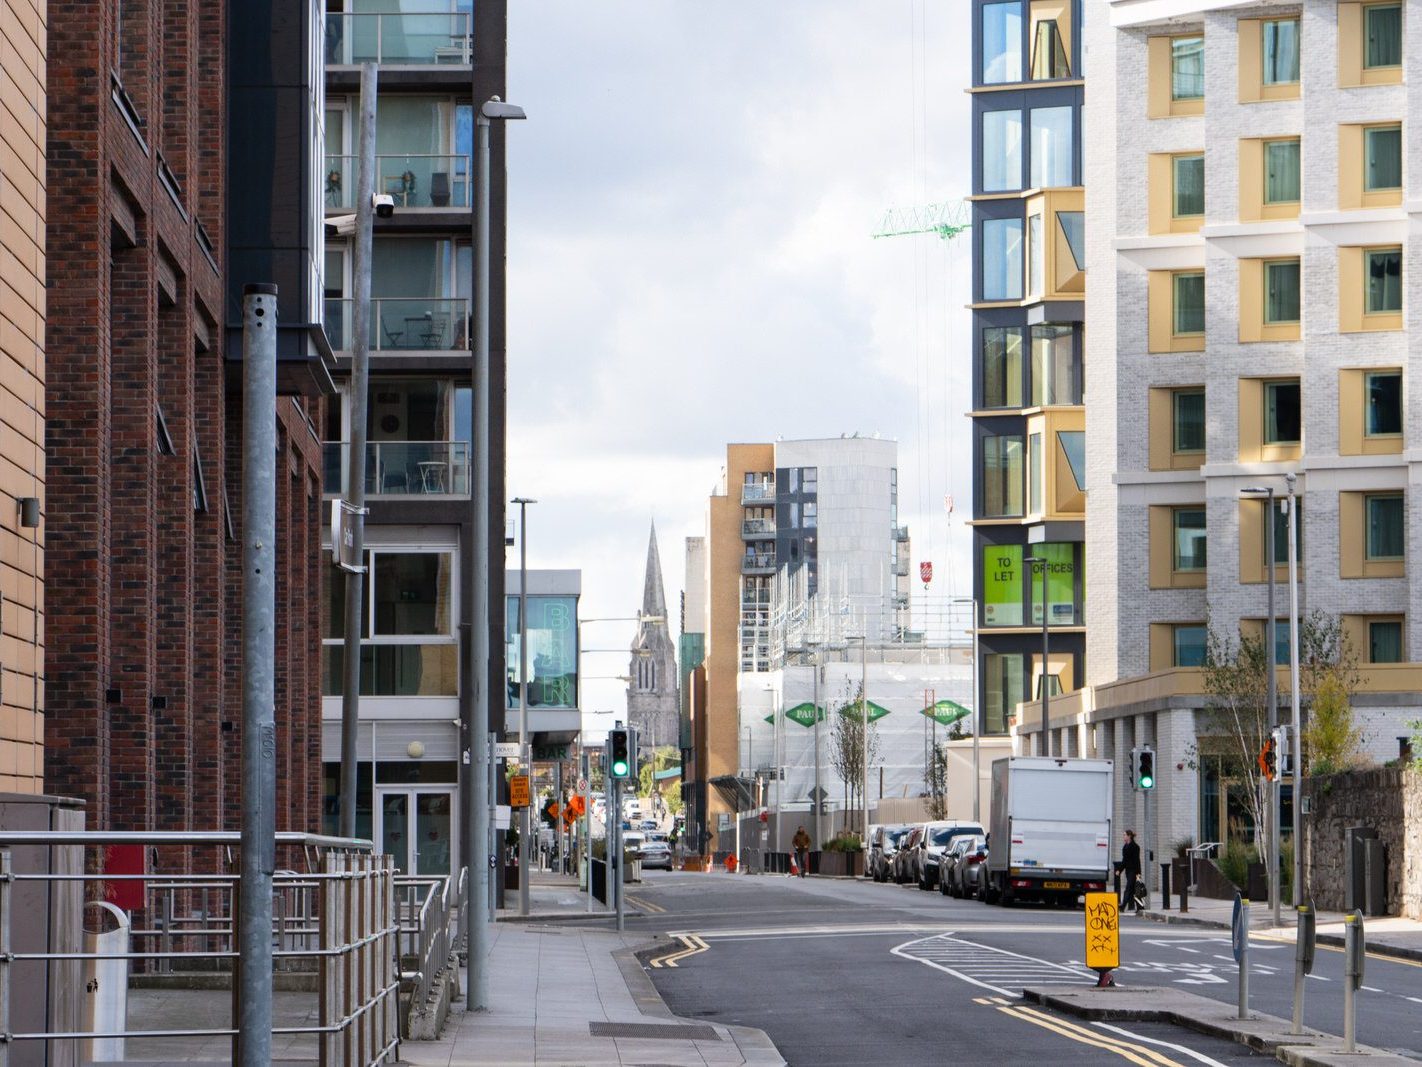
(1137, 1054)
(691, 945)
(646, 905)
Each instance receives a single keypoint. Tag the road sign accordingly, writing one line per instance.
(582, 785)
(503, 816)
(505, 750)
(518, 791)
(1103, 934)
(1238, 926)
(819, 794)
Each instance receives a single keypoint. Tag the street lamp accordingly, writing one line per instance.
(525, 763)
(977, 719)
(476, 837)
(1295, 723)
(1271, 698)
(1046, 665)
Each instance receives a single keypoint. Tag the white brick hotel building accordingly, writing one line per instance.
(1253, 195)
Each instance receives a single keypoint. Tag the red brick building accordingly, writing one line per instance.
(143, 586)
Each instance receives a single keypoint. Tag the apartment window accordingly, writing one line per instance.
(1383, 267)
(1002, 151)
(1281, 171)
(1188, 186)
(1002, 475)
(1385, 641)
(1383, 399)
(1056, 377)
(1003, 689)
(1188, 420)
(1189, 539)
(1282, 417)
(1280, 38)
(1281, 291)
(1188, 303)
(1382, 36)
(1187, 68)
(1002, 259)
(1049, 54)
(1002, 43)
(1036, 256)
(1002, 368)
(1187, 645)
(1034, 474)
(809, 479)
(1385, 533)
(1382, 158)
(1281, 532)
(1052, 155)
(811, 514)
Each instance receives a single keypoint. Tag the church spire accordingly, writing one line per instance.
(654, 600)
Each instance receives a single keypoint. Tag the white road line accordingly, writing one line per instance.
(1163, 1044)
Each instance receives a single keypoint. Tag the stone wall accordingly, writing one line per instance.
(1387, 799)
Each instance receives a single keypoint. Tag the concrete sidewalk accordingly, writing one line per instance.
(576, 994)
(1383, 936)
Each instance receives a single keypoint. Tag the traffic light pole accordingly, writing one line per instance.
(614, 852)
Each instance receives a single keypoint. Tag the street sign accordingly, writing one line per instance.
(518, 791)
(503, 816)
(505, 750)
(819, 794)
(343, 553)
(582, 785)
(1103, 933)
(550, 753)
(1238, 926)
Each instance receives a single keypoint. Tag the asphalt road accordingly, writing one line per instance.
(840, 972)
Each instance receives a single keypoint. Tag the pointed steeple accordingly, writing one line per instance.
(654, 600)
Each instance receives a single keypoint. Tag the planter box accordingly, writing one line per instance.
(510, 877)
(845, 864)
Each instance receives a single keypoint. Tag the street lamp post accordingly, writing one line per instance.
(977, 719)
(1046, 665)
(1295, 739)
(476, 729)
(1271, 698)
(525, 823)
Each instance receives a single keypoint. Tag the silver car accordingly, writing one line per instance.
(656, 854)
(961, 872)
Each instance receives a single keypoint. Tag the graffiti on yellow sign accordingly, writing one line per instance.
(518, 791)
(1103, 935)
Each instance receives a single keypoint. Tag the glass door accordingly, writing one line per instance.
(417, 829)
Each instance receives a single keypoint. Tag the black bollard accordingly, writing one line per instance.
(1165, 887)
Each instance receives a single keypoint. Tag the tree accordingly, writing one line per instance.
(936, 779)
(1332, 739)
(848, 744)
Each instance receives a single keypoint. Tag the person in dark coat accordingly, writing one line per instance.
(1130, 871)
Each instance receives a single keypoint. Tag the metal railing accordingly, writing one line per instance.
(402, 468)
(429, 910)
(758, 563)
(403, 324)
(400, 39)
(754, 491)
(339, 916)
(758, 528)
(413, 180)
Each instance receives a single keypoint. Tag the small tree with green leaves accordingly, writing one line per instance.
(852, 748)
(936, 779)
(1332, 741)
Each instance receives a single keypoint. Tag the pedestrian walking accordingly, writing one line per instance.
(801, 842)
(1130, 872)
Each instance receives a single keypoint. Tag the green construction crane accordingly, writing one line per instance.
(947, 219)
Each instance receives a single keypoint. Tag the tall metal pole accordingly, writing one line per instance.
(818, 799)
(259, 330)
(1296, 737)
(356, 458)
(864, 740)
(1272, 697)
(1046, 746)
(525, 822)
(977, 724)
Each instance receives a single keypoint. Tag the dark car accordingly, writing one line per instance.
(883, 845)
(932, 843)
(962, 873)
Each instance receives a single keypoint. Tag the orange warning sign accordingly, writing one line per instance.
(518, 791)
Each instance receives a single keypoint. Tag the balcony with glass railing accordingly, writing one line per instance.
(413, 180)
(756, 529)
(402, 468)
(403, 324)
(405, 38)
(758, 563)
(757, 492)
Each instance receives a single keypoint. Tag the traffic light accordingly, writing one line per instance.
(1131, 768)
(619, 753)
(1145, 769)
(1281, 750)
(1269, 760)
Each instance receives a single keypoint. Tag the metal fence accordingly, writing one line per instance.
(428, 910)
(338, 917)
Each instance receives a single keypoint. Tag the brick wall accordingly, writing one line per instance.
(1387, 799)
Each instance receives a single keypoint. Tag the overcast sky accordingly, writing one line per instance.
(691, 206)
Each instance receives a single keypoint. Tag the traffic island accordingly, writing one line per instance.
(1268, 1034)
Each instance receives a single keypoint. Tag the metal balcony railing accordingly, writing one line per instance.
(402, 468)
(755, 528)
(403, 324)
(754, 492)
(415, 181)
(758, 563)
(407, 38)
(901, 533)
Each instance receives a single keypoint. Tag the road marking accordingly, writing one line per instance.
(1200, 1056)
(645, 905)
(691, 946)
(984, 965)
(1141, 1056)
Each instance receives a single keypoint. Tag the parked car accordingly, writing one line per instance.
(962, 867)
(632, 841)
(883, 845)
(905, 865)
(648, 824)
(934, 838)
(656, 854)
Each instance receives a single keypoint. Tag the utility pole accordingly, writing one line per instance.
(864, 740)
(354, 510)
(259, 331)
(1271, 698)
(1296, 741)
(1033, 561)
(818, 797)
(525, 820)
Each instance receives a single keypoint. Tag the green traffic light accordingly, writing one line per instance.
(1147, 781)
(619, 768)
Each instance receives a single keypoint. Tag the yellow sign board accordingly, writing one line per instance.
(1103, 934)
(518, 791)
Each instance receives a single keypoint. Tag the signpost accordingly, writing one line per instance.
(1303, 959)
(518, 791)
(1239, 943)
(1103, 935)
(506, 750)
(1353, 957)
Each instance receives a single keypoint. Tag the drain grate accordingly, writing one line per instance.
(658, 1031)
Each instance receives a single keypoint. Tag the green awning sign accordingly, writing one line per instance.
(947, 712)
(851, 711)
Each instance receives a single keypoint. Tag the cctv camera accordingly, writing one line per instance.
(384, 205)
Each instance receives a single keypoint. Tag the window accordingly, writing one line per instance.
(1188, 420)
(1187, 645)
(552, 651)
(1036, 256)
(1281, 532)
(1002, 151)
(1385, 641)
(1385, 532)
(1052, 157)
(1034, 473)
(1281, 291)
(162, 439)
(1281, 51)
(1187, 68)
(811, 514)
(1383, 400)
(1002, 368)
(1002, 476)
(810, 479)
(1188, 303)
(1188, 186)
(1002, 688)
(1189, 539)
(1383, 268)
(1049, 56)
(1281, 171)
(1382, 158)
(1282, 418)
(1382, 36)
(1002, 259)
(1056, 377)
(1002, 43)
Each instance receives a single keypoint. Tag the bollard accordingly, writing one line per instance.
(1352, 976)
(1184, 898)
(1304, 942)
(1165, 887)
(1239, 938)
